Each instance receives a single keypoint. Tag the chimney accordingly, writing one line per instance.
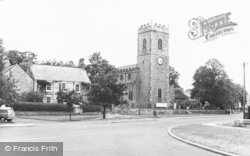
(30, 63)
(30, 59)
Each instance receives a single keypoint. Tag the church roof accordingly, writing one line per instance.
(128, 67)
(58, 73)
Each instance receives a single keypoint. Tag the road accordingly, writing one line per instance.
(134, 137)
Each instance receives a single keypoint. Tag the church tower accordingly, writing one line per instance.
(153, 63)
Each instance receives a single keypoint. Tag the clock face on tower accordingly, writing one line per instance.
(160, 60)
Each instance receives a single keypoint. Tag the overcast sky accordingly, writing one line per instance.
(70, 29)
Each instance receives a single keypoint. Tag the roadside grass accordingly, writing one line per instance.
(230, 140)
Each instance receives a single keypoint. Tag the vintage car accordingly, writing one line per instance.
(7, 114)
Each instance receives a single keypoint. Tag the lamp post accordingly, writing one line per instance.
(244, 90)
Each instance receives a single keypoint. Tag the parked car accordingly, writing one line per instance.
(7, 114)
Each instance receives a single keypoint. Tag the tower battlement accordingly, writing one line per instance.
(153, 26)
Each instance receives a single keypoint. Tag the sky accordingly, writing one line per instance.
(72, 29)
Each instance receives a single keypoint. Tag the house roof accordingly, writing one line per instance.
(8, 68)
(58, 73)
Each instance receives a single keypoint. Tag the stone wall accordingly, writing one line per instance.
(145, 111)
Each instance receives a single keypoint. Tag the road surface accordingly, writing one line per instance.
(133, 137)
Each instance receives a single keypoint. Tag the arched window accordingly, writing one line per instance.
(130, 96)
(160, 44)
(159, 95)
(121, 77)
(144, 46)
(129, 76)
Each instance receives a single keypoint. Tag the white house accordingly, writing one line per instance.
(50, 79)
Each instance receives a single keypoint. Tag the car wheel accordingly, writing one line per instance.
(2, 119)
(9, 120)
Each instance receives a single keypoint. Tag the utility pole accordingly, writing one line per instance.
(244, 90)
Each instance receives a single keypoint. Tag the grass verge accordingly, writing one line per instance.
(235, 141)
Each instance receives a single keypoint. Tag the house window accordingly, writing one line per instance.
(121, 77)
(48, 87)
(48, 99)
(160, 44)
(130, 95)
(144, 45)
(129, 76)
(63, 86)
(77, 88)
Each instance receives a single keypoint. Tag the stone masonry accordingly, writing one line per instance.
(151, 73)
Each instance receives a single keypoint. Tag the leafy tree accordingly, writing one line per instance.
(7, 93)
(54, 62)
(104, 89)
(238, 93)
(17, 57)
(32, 97)
(81, 63)
(212, 84)
(173, 77)
(70, 97)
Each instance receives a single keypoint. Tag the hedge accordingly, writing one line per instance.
(34, 106)
(92, 108)
(52, 107)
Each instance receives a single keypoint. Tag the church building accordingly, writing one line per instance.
(148, 81)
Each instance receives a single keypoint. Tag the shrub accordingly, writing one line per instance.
(32, 97)
(92, 108)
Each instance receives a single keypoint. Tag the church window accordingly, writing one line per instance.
(129, 76)
(130, 95)
(159, 95)
(121, 77)
(144, 47)
(160, 44)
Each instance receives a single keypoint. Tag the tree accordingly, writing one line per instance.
(212, 84)
(104, 89)
(81, 63)
(32, 97)
(54, 62)
(8, 94)
(71, 98)
(17, 57)
(238, 93)
(173, 77)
